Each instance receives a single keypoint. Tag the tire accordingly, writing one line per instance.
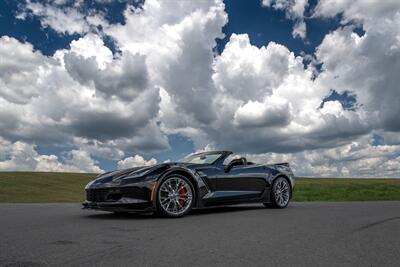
(280, 194)
(175, 196)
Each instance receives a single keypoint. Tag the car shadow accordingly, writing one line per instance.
(119, 216)
(225, 209)
(196, 212)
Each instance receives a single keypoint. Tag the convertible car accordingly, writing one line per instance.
(200, 180)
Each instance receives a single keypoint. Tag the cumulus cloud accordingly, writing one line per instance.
(270, 101)
(125, 77)
(357, 159)
(135, 161)
(43, 102)
(358, 10)
(108, 104)
(166, 79)
(247, 72)
(178, 40)
(366, 65)
(18, 70)
(92, 46)
(24, 157)
(61, 17)
(81, 161)
(274, 111)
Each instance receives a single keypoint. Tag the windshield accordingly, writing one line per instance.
(202, 158)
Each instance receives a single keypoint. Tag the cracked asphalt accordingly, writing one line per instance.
(304, 234)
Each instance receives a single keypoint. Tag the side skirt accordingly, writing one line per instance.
(221, 198)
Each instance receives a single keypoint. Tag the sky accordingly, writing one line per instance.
(91, 86)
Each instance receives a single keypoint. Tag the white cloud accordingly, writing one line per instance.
(247, 72)
(67, 20)
(19, 70)
(135, 161)
(125, 77)
(41, 102)
(274, 111)
(332, 107)
(269, 100)
(300, 29)
(81, 161)
(359, 10)
(177, 38)
(167, 79)
(61, 17)
(24, 157)
(294, 10)
(92, 46)
(358, 159)
(367, 65)
(107, 104)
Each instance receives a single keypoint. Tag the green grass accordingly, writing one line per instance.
(33, 187)
(331, 189)
(27, 187)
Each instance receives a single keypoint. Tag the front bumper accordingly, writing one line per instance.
(121, 205)
(135, 197)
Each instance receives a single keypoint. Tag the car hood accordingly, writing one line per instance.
(113, 176)
(137, 172)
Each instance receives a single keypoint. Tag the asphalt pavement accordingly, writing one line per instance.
(304, 234)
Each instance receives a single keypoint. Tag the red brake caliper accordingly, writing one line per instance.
(182, 194)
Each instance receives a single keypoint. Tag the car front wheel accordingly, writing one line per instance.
(175, 196)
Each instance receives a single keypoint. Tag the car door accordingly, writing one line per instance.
(247, 180)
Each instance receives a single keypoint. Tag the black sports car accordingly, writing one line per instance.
(198, 181)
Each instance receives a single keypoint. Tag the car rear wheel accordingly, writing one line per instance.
(280, 194)
(175, 196)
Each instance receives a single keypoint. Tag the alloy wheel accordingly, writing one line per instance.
(175, 196)
(281, 192)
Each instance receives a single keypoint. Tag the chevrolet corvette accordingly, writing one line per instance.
(201, 180)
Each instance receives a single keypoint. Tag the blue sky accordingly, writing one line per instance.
(259, 25)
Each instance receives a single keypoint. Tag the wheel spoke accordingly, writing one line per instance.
(176, 206)
(169, 186)
(169, 203)
(177, 184)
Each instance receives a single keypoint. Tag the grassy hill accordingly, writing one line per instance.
(29, 187)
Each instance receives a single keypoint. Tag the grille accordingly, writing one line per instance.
(96, 195)
(108, 194)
